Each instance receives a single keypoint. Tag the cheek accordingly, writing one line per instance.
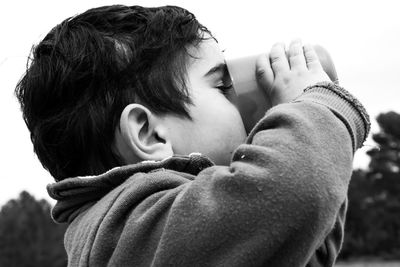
(216, 128)
(227, 123)
(227, 134)
(231, 114)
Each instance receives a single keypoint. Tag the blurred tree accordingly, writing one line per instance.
(373, 225)
(355, 227)
(386, 158)
(384, 173)
(28, 236)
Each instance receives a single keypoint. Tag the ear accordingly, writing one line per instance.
(141, 135)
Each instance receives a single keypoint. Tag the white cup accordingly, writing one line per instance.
(251, 100)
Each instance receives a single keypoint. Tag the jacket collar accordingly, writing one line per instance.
(75, 194)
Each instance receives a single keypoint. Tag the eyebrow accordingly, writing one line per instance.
(220, 68)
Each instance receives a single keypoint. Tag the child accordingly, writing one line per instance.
(118, 98)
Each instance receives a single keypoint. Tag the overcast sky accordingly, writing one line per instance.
(363, 38)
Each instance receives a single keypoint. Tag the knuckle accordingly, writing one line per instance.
(274, 59)
(260, 73)
(296, 58)
(310, 56)
(286, 80)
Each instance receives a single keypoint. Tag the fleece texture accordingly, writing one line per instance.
(281, 201)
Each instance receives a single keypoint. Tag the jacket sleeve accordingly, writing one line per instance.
(283, 196)
(281, 202)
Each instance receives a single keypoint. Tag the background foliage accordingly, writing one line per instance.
(373, 225)
(29, 237)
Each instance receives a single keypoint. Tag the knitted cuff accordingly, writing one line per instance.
(345, 106)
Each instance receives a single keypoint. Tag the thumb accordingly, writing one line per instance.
(264, 74)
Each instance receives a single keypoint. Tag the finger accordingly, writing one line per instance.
(264, 73)
(296, 55)
(278, 58)
(311, 57)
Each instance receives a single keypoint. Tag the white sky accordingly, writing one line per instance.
(363, 38)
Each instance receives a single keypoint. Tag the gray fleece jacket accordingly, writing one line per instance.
(281, 202)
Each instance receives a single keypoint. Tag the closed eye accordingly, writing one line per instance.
(225, 89)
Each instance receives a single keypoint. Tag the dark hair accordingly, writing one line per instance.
(88, 68)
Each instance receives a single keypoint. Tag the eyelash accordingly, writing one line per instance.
(225, 88)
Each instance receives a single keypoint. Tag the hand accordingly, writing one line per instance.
(284, 77)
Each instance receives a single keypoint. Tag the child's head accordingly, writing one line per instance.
(116, 85)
